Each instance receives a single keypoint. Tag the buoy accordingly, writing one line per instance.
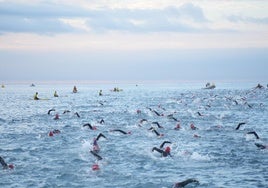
(95, 167)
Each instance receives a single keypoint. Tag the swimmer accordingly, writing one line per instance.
(56, 117)
(165, 152)
(261, 146)
(119, 130)
(184, 183)
(74, 89)
(96, 155)
(255, 134)
(193, 127)
(158, 125)
(171, 117)
(66, 111)
(90, 126)
(155, 112)
(165, 142)
(250, 106)
(96, 147)
(100, 93)
(178, 126)
(259, 86)
(76, 113)
(55, 131)
(101, 121)
(196, 136)
(55, 94)
(100, 135)
(36, 96)
(143, 120)
(5, 165)
(157, 133)
(199, 114)
(50, 111)
(238, 126)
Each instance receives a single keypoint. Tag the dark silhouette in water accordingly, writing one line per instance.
(96, 155)
(101, 121)
(165, 152)
(261, 146)
(76, 113)
(5, 165)
(238, 126)
(50, 111)
(165, 142)
(184, 183)
(89, 126)
(121, 131)
(156, 123)
(100, 135)
(157, 133)
(66, 111)
(255, 134)
(96, 147)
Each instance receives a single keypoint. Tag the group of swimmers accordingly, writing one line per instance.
(37, 98)
(55, 93)
(164, 151)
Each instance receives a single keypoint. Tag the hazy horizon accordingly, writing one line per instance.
(42, 41)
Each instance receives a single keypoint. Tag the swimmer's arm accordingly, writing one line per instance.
(165, 142)
(100, 135)
(3, 163)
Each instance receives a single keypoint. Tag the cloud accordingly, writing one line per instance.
(244, 19)
(169, 19)
(48, 18)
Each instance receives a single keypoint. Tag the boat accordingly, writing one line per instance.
(210, 86)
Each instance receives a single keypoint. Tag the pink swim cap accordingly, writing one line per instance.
(11, 166)
(95, 167)
(167, 149)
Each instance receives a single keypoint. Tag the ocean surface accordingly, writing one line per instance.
(218, 156)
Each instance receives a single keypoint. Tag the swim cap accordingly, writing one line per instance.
(50, 133)
(57, 116)
(167, 149)
(95, 167)
(11, 166)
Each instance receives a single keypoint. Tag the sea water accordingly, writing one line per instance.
(220, 156)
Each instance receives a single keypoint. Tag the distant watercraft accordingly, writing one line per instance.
(3, 86)
(32, 85)
(209, 86)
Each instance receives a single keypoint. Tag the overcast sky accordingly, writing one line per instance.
(126, 40)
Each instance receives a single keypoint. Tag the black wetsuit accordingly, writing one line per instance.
(119, 130)
(184, 183)
(89, 125)
(260, 146)
(96, 155)
(3, 163)
(164, 153)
